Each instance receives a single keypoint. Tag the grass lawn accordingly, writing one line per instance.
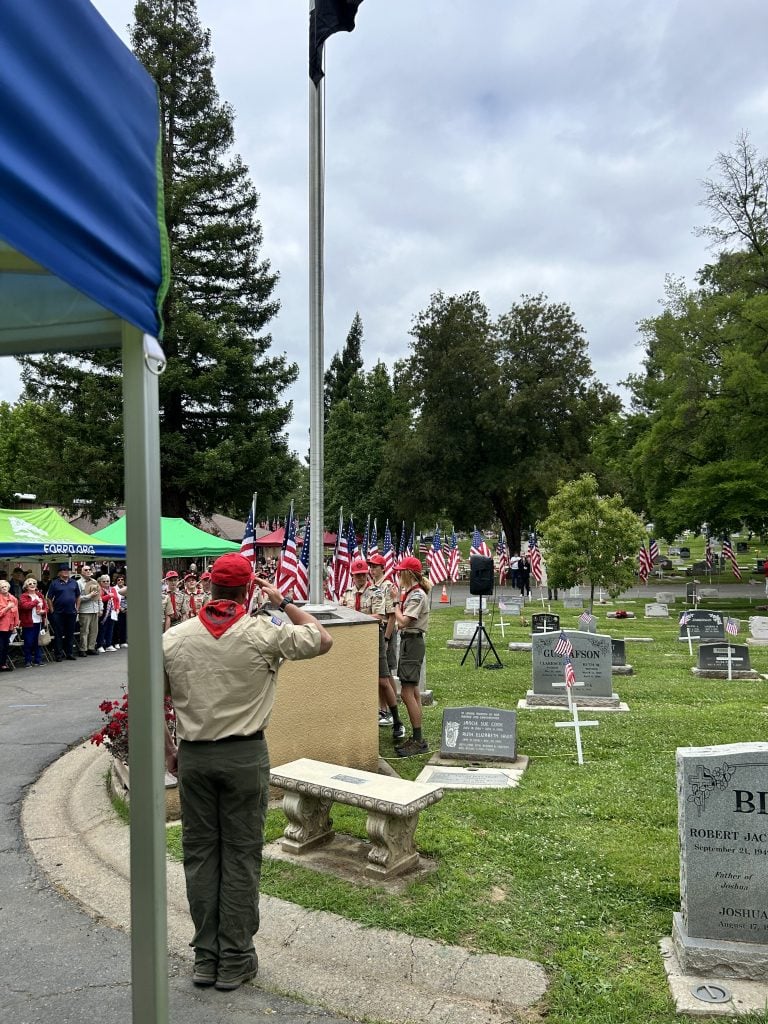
(578, 867)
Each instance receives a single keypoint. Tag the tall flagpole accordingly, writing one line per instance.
(316, 364)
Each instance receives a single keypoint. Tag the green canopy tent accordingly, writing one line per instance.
(43, 533)
(178, 539)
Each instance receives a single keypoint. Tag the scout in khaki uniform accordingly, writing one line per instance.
(205, 583)
(221, 671)
(358, 595)
(382, 606)
(174, 602)
(412, 617)
(192, 596)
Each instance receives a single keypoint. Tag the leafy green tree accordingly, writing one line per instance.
(589, 539)
(345, 367)
(699, 456)
(500, 410)
(222, 418)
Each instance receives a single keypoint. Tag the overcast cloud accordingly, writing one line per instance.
(488, 145)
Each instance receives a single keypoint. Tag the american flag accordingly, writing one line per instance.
(503, 558)
(401, 549)
(563, 645)
(585, 618)
(478, 546)
(373, 545)
(438, 573)
(285, 578)
(685, 618)
(653, 550)
(388, 552)
(411, 541)
(732, 626)
(534, 554)
(453, 559)
(248, 543)
(341, 561)
(645, 563)
(729, 554)
(352, 540)
(570, 675)
(708, 555)
(301, 587)
(365, 536)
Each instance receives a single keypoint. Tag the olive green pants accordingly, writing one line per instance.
(224, 788)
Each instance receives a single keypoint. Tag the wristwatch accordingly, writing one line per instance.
(284, 603)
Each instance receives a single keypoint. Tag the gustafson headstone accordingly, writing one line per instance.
(479, 734)
(714, 661)
(722, 795)
(463, 631)
(703, 625)
(619, 666)
(543, 622)
(591, 661)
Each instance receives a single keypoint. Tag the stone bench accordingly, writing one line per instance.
(393, 807)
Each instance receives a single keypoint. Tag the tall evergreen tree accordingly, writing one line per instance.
(222, 419)
(344, 368)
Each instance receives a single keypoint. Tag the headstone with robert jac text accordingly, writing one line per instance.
(722, 797)
(591, 661)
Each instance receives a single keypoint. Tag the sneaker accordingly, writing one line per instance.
(385, 719)
(125, 645)
(110, 648)
(398, 733)
(227, 984)
(92, 652)
(204, 975)
(412, 748)
(99, 650)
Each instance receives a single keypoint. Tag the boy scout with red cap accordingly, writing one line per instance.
(382, 606)
(174, 601)
(221, 671)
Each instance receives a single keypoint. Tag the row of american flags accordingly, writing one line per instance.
(646, 557)
(442, 556)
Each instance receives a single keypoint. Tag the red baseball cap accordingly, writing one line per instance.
(231, 570)
(171, 575)
(410, 564)
(377, 559)
(359, 566)
(205, 576)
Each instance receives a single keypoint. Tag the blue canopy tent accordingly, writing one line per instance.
(84, 264)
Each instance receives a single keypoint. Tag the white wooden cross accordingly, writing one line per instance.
(574, 724)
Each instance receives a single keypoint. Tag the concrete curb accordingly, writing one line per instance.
(360, 972)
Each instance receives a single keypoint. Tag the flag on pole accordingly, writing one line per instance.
(534, 556)
(563, 645)
(478, 546)
(453, 558)
(732, 626)
(366, 535)
(411, 541)
(585, 618)
(644, 562)
(653, 551)
(729, 554)
(285, 577)
(388, 553)
(340, 563)
(352, 540)
(327, 18)
(401, 549)
(438, 573)
(570, 675)
(373, 545)
(503, 559)
(301, 588)
(248, 543)
(709, 557)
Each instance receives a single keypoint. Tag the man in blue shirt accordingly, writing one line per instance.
(63, 603)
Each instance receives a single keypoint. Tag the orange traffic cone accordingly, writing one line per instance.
(444, 595)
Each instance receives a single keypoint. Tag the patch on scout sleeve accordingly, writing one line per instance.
(275, 621)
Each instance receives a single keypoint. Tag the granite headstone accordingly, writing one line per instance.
(702, 625)
(543, 622)
(591, 660)
(479, 734)
(656, 610)
(713, 661)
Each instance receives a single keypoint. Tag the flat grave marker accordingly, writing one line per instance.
(479, 734)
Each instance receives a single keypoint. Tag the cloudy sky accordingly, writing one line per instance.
(493, 145)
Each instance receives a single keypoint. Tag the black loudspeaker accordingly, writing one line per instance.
(480, 575)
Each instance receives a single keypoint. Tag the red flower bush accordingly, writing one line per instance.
(621, 613)
(113, 733)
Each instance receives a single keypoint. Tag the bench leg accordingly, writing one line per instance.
(309, 823)
(393, 850)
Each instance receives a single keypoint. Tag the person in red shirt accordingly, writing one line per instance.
(32, 612)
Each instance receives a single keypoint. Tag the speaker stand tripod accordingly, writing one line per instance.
(476, 644)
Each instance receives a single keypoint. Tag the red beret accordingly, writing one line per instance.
(377, 560)
(231, 571)
(411, 564)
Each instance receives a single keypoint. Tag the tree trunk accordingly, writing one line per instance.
(591, 596)
(511, 522)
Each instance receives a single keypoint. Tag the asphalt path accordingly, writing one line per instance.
(57, 964)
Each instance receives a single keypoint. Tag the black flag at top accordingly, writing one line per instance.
(329, 16)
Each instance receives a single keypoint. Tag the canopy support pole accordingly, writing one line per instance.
(149, 928)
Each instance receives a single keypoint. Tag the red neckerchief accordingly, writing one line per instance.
(192, 606)
(172, 595)
(218, 616)
(407, 594)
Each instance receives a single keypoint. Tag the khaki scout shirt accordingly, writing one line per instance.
(182, 608)
(416, 606)
(226, 686)
(381, 598)
(348, 599)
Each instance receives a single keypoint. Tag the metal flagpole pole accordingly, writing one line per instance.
(316, 365)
